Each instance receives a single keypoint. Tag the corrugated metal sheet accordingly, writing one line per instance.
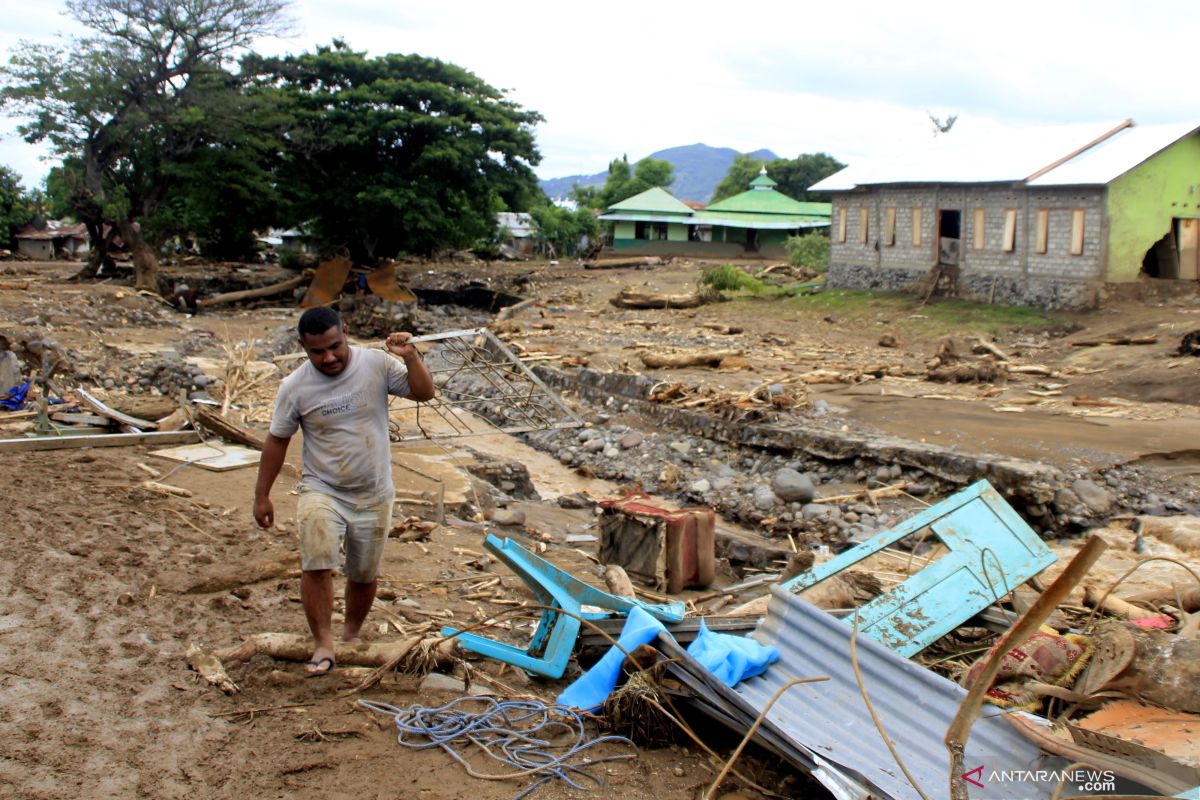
(915, 705)
(970, 153)
(1116, 155)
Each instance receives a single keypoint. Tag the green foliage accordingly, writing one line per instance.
(728, 278)
(559, 231)
(737, 180)
(398, 152)
(15, 210)
(136, 104)
(907, 315)
(793, 175)
(810, 250)
(624, 182)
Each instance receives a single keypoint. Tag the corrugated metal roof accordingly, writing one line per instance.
(1116, 155)
(765, 201)
(656, 200)
(979, 153)
(731, 219)
(915, 705)
(54, 230)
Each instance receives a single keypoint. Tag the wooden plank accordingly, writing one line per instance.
(98, 440)
(1042, 241)
(916, 227)
(1010, 230)
(864, 224)
(1077, 217)
(125, 419)
(218, 458)
(980, 228)
(889, 230)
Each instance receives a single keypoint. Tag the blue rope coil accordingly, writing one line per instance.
(536, 739)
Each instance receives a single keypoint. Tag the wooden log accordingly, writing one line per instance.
(619, 263)
(1186, 599)
(984, 347)
(211, 421)
(631, 298)
(510, 311)
(1116, 340)
(14, 285)
(711, 358)
(1114, 605)
(210, 669)
(253, 294)
(299, 647)
(167, 489)
(618, 583)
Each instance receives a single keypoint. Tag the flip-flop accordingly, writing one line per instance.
(319, 671)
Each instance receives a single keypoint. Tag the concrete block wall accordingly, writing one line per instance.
(1055, 279)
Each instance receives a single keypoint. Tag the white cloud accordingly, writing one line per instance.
(849, 79)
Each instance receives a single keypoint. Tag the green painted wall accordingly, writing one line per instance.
(766, 238)
(730, 234)
(624, 229)
(676, 232)
(1142, 203)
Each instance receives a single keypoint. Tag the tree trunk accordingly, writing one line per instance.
(145, 263)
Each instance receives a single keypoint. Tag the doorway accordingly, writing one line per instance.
(949, 236)
(1187, 235)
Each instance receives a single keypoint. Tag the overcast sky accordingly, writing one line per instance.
(849, 79)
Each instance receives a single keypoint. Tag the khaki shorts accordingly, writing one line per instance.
(329, 525)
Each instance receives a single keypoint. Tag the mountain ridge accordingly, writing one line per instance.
(698, 170)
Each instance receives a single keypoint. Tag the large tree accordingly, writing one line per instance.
(397, 153)
(122, 102)
(624, 182)
(15, 209)
(794, 175)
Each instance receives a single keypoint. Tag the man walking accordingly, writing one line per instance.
(339, 399)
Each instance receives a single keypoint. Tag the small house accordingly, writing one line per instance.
(1049, 217)
(53, 240)
(517, 233)
(753, 224)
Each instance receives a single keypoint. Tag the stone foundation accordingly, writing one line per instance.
(1047, 293)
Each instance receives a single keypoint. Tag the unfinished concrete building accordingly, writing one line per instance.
(1048, 218)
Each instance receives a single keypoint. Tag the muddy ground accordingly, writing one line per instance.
(106, 584)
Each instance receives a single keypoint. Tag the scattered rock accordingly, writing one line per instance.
(793, 487)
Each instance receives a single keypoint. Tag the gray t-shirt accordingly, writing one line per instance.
(345, 422)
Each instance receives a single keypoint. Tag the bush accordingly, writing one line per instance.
(810, 251)
(728, 278)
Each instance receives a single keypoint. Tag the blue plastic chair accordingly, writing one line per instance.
(991, 551)
(554, 639)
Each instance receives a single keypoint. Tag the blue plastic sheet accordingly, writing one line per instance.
(731, 658)
(590, 689)
(14, 398)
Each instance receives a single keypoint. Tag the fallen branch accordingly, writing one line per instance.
(1114, 605)
(711, 358)
(1116, 340)
(210, 669)
(253, 294)
(631, 298)
(299, 647)
(166, 488)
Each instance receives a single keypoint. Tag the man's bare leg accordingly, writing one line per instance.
(359, 597)
(316, 590)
